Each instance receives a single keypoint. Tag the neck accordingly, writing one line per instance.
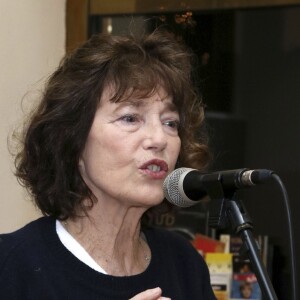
(113, 239)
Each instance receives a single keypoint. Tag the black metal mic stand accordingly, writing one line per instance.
(225, 211)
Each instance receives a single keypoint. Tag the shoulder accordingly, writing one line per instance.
(26, 232)
(18, 243)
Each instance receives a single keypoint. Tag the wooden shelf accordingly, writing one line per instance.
(78, 11)
(100, 7)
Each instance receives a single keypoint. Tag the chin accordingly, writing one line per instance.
(156, 202)
(152, 199)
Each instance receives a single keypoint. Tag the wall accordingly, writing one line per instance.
(32, 35)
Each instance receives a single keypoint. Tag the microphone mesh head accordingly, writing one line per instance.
(173, 189)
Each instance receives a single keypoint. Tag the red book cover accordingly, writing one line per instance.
(206, 244)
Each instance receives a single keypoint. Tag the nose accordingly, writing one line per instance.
(155, 137)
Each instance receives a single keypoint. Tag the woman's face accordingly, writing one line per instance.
(131, 148)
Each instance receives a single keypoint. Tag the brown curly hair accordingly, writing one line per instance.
(47, 164)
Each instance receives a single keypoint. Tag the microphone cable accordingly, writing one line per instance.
(290, 231)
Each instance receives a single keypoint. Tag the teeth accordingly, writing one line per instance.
(153, 168)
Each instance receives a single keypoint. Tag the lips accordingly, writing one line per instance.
(155, 168)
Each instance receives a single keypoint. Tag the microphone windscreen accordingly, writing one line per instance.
(173, 188)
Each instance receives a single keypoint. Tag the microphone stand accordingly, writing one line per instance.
(226, 211)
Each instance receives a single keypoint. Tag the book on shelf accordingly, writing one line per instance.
(244, 281)
(205, 244)
(220, 269)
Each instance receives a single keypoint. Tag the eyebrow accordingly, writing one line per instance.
(140, 103)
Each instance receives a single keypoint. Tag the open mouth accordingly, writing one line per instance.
(155, 168)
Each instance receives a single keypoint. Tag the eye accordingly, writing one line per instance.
(129, 118)
(173, 124)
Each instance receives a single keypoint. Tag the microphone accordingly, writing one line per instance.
(185, 187)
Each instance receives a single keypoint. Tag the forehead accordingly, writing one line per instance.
(137, 98)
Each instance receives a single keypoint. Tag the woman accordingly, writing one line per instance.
(115, 118)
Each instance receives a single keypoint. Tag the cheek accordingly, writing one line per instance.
(107, 153)
(177, 147)
(174, 152)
